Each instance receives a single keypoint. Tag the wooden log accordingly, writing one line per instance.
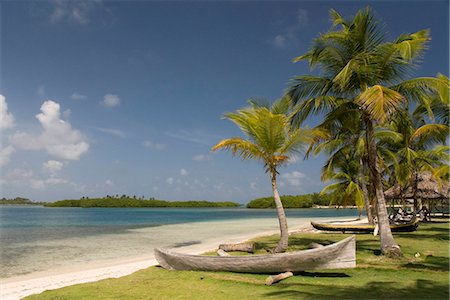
(314, 245)
(220, 252)
(272, 279)
(244, 247)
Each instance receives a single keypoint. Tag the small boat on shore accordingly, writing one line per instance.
(363, 227)
(335, 256)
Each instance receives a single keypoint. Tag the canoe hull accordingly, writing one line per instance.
(363, 228)
(335, 256)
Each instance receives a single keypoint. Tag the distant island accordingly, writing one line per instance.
(127, 201)
(289, 201)
(299, 201)
(19, 201)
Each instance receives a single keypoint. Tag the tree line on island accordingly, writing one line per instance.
(127, 201)
(299, 201)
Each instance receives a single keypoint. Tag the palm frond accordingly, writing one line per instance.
(240, 147)
(379, 102)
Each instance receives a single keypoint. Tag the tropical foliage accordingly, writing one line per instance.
(363, 75)
(288, 201)
(271, 139)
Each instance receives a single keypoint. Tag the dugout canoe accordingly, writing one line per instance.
(363, 227)
(334, 256)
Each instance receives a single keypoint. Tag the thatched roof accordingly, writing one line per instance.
(427, 188)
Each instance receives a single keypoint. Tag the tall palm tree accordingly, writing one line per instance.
(358, 67)
(271, 139)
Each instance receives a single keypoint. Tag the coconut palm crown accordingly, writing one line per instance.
(271, 139)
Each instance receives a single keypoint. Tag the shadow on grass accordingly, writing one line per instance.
(427, 236)
(436, 263)
(321, 274)
(422, 289)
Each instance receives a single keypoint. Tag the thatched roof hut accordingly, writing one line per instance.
(427, 188)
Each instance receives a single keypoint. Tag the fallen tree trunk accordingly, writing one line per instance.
(243, 247)
(272, 279)
(220, 252)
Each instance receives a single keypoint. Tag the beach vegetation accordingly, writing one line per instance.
(361, 72)
(289, 201)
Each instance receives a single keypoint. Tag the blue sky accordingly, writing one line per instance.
(126, 97)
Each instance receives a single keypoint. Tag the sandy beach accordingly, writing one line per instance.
(34, 283)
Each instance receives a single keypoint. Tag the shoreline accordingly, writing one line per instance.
(19, 286)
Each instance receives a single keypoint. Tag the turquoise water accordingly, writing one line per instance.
(36, 238)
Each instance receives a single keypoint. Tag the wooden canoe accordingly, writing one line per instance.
(363, 227)
(335, 256)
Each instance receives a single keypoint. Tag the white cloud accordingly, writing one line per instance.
(170, 180)
(253, 185)
(202, 157)
(154, 146)
(40, 184)
(25, 141)
(112, 131)
(80, 11)
(290, 35)
(37, 184)
(279, 41)
(53, 166)
(76, 96)
(58, 137)
(6, 118)
(5, 155)
(54, 180)
(66, 114)
(18, 174)
(294, 178)
(183, 172)
(110, 100)
(109, 182)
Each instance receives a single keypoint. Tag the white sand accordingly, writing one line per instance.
(211, 234)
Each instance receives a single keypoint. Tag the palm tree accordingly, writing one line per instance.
(345, 145)
(359, 68)
(271, 139)
(347, 189)
(418, 147)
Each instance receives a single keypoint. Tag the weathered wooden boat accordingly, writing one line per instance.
(363, 227)
(335, 256)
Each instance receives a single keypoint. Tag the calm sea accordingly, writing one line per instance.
(35, 238)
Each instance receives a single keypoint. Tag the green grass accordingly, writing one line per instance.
(376, 277)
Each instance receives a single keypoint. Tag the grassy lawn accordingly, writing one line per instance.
(415, 276)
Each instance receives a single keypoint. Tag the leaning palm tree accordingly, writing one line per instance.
(271, 139)
(359, 68)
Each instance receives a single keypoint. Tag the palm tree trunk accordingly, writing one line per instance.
(364, 190)
(284, 235)
(388, 245)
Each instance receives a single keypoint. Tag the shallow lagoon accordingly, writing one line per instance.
(35, 238)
